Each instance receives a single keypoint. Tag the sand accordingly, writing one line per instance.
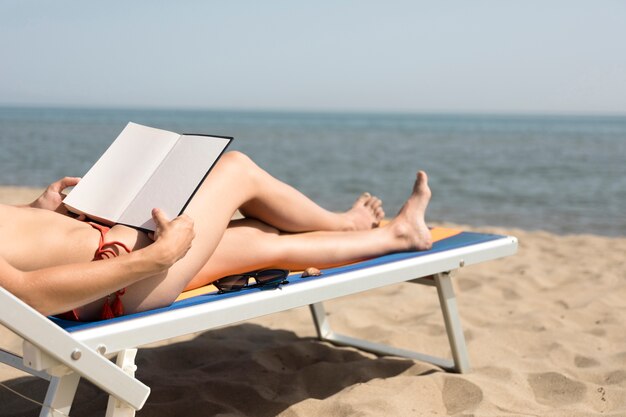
(545, 333)
(18, 195)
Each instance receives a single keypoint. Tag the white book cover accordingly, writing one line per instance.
(145, 168)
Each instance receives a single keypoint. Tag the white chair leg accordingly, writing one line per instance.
(60, 395)
(325, 333)
(447, 299)
(442, 281)
(322, 326)
(115, 407)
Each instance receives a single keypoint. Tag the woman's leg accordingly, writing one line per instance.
(236, 182)
(248, 245)
(287, 209)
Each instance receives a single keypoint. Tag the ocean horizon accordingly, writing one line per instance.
(560, 173)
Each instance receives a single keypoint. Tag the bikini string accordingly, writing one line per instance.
(116, 308)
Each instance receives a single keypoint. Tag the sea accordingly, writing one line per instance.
(562, 174)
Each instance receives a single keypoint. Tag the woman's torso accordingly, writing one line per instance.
(35, 238)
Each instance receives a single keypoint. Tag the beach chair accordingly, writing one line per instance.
(62, 352)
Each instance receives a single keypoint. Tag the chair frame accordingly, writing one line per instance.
(63, 357)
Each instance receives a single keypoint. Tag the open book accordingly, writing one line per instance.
(145, 168)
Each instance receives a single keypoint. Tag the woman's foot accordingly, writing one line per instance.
(366, 213)
(409, 226)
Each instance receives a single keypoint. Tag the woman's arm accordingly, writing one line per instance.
(62, 288)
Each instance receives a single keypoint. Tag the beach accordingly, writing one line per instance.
(544, 329)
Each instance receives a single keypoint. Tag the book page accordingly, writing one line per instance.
(176, 179)
(120, 173)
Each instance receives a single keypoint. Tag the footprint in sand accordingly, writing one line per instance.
(460, 395)
(615, 377)
(509, 294)
(585, 362)
(554, 389)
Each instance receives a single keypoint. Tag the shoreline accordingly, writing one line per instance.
(544, 330)
(14, 194)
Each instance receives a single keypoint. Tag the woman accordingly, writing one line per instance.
(45, 256)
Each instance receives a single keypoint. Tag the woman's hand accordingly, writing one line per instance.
(52, 197)
(172, 239)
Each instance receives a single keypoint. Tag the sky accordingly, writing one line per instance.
(529, 57)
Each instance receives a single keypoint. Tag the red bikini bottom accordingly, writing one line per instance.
(113, 306)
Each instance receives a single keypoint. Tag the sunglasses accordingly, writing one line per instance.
(265, 279)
